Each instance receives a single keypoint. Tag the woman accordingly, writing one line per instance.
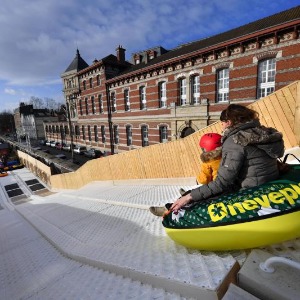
(249, 156)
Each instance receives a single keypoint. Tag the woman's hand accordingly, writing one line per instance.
(184, 200)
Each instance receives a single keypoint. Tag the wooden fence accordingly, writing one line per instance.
(181, 158)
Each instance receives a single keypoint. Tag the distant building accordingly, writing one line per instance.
(164, 95)
(29, 121)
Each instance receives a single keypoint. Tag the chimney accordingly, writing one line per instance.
(120, 54)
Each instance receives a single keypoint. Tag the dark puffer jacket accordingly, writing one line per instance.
(249, 158)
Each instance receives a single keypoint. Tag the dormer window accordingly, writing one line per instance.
(152, 54)
(137, 59)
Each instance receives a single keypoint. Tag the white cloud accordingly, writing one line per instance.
(10, 91)
(39, 39)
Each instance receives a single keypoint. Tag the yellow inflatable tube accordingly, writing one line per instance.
(258, 233)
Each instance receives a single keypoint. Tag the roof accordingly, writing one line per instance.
(242, 31)
(77, 64)
(110, 60)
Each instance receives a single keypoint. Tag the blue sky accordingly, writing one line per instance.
(39, 38)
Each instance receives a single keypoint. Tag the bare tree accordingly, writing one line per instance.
(36, 102)
(50, 104)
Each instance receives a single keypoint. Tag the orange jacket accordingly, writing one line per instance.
(209, 171)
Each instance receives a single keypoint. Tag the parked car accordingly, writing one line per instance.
(53, 144)
(48, 143)
(80, 149)
(43, 142)
(93, 153)
(67, 147)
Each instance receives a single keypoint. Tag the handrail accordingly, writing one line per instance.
(267, 266)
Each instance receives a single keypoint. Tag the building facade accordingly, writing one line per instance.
(164, 95)
(29, 121)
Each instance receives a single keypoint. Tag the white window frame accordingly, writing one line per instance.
(145, 137)
(223, 85)
(101, 107)
(127, 100)
(195, 89)
(113, 101)
(182, 91)
(162, 94)
(266, 77)
(163, 134)
(143, 100)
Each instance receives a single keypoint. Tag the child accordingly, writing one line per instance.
(210, 143)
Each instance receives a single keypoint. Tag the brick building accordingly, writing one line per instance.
(162, 95)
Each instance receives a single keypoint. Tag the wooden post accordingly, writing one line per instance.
(297, 114)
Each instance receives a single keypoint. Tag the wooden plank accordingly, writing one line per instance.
(270, 101)
(284, 125)
(285, 104)
(265, 116)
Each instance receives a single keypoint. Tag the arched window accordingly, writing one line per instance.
(163, 134)
(113, 101)
(100, 100)
(143, 101)
(162, 94)
(195, 89)
(129, 135)
(126, 100)
(96, 133)
(89, 133)
(86, 106)
(103, 137)
(182, 91)
(93, 105)
(83, 132)
(144, 133)
(116, 134)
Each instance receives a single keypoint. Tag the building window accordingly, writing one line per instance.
(223, 85)
(86, 106)
(96, 133)
(163, 134)
(143, 102)
(266, 77)
(129, 135)
(195, 89)
(66, 129)
(100, 100)
(145, 139)
(89, 133)
(84, 85)
(83, 132)
(182, 91)
(162, 94)
(91, 82)
(77, 131)
(103, 137)
(80, 107)
(127, 100)
(116, 134)
(98, 80)
(93, 105)
(113, 101)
